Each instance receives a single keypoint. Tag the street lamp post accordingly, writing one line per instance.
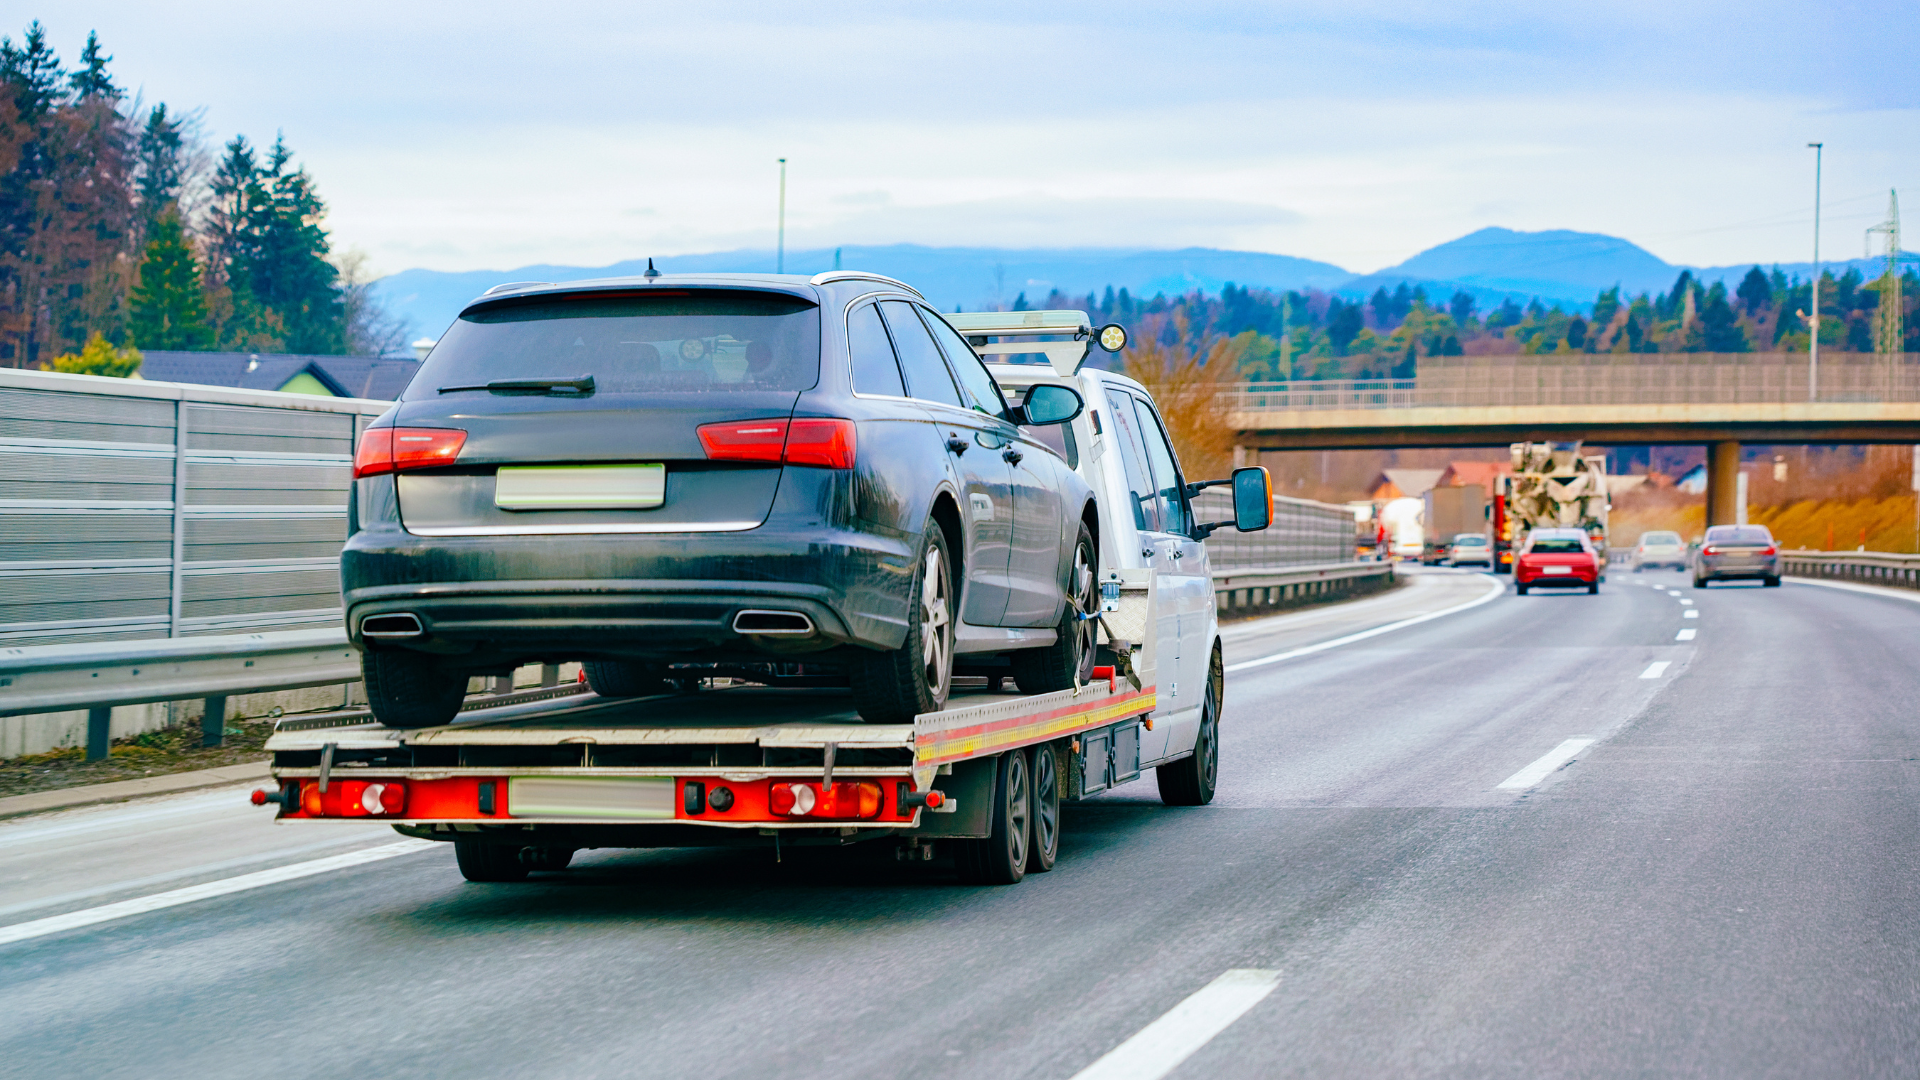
(1813, 318)
(780, 245)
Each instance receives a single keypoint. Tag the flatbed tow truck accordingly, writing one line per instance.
(521, 786)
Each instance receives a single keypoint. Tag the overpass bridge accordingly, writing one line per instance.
(1717, 400)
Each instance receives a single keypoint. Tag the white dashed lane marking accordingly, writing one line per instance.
(1544, 767)
(1656, 669)
(1161, 1046)
(1685, 635)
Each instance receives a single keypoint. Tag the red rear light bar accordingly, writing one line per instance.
(828, 444)
(705, 798)
(398, 449)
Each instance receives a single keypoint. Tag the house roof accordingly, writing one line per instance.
(378, 378)
(1462, 473)
(1408, 483)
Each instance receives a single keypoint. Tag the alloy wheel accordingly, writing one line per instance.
(1019, 808)
(936, 625)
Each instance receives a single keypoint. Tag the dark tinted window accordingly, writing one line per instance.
(920, 360)
(976, 382)
(1059, 437)
(874, 369)
(1739, 534)
(1555, 546)
(686, 343)
(1133, 456)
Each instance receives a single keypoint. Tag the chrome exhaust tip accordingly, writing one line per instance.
(763, 623)
(403, 624)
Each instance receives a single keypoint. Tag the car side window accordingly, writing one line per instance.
(1170, 490)
(976, 382)
(875, 371)
(920, 360)
(1133, 457)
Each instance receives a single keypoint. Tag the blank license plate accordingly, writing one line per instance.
(580, 487)
(1556, 569)
(622, 798)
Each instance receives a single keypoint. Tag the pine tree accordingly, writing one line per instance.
(92, 80)
(160, 163)
(1461, 307)
(169, 309)
(1719, 327)
(1755, 292)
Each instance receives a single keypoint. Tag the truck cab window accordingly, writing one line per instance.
(1169, 491)
(1133, 455)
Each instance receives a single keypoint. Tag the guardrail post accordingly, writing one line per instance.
(549, 674)
(213, 722)
(99, 733)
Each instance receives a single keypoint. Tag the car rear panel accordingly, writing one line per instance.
(597, 430)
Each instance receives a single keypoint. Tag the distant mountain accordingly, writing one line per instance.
(1558, 266)
(972, 278)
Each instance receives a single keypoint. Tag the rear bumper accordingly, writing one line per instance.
(497, 599)
(1753, 570)
(1552, 580)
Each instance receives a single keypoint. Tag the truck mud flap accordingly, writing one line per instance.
(970, 786)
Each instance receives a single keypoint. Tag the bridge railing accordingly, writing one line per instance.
(1603, 379)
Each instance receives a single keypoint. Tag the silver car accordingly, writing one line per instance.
(1731, 552)
(1660, 549)
(1471, 549)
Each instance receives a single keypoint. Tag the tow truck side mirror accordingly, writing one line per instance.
(1049, 403)
(1252, 498)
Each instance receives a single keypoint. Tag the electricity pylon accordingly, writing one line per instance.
(1889, 330)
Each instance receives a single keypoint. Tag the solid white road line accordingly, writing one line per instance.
(1656, 669)
(1690, 613)
(1161, 1046)
(73, 920)
(1498, 587)
(1544, 767)
(1871, 590)
(1685, 635)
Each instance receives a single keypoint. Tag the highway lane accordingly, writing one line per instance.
(1722, 883)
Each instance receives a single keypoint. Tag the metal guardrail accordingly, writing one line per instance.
(1867, 567)
(1244, 588)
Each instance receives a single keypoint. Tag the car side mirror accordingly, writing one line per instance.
(1252, 498)
(1049, 403)
(1252, 501)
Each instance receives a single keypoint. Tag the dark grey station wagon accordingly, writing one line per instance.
(712, 470)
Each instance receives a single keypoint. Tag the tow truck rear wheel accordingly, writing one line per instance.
(895, 686)
(1043, 847)
(1069, 660)
(1191, 780)
(1000, 857)
(482, 861)
(546, 857)
(406, 689)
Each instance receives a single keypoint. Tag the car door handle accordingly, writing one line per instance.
(1012, 456)
(956, 444)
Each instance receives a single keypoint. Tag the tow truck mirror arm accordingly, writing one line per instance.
(1252, 501)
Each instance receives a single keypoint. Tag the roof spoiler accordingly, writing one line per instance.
(1024, 326)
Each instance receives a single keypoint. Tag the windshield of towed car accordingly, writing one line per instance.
(683, 341)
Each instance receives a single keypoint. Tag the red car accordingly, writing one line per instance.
(1557, 558)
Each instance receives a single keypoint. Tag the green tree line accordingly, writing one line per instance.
(1309, 334)
(120, 230)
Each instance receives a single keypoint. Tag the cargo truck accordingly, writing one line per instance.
(781, 758)
(1450, 511)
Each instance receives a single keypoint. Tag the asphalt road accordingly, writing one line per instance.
(1723, 881)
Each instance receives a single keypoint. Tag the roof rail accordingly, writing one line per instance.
(510, 285)
(861, 275)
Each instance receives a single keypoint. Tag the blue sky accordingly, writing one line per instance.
(490, 135)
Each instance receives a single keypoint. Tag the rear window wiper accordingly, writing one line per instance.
(581, 385)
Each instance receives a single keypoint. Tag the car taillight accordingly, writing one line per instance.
(354, 798)
(825, 443)
(390, 449)
(1770, 550)
(1709, 550)
(844, 800)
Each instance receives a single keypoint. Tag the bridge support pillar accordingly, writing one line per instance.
(1723, 483)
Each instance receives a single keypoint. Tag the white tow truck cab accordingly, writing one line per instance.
(521, 782)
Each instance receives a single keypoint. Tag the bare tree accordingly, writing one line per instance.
(372, 330)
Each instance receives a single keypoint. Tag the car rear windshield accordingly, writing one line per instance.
(1661, 538)
(1470, 540)
(1555, 546)
(659, 342)
(1740, 534)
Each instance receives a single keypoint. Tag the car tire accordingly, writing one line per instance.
(1699, 582)
(1639, 569)
(407, 689)
(1000, 857)
(894, 686)
(1068, 662)
(1519, 588)
(1593, 589)
(1771, 582)
(485, 862)
(624, 678)
(1191, 780)
(1043, 847)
